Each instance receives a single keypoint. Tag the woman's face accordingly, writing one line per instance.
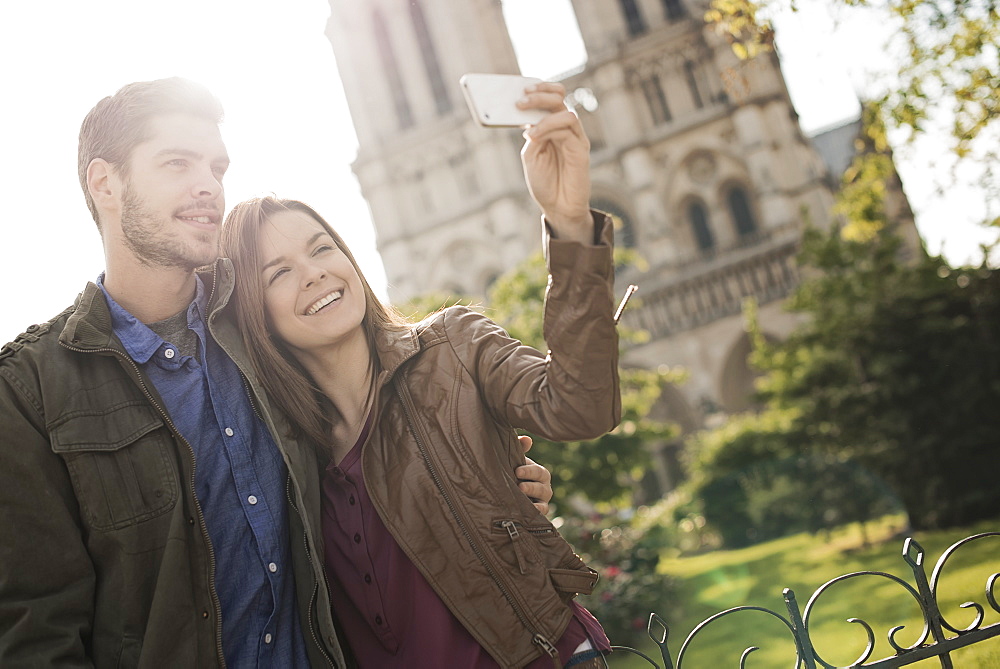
(313, 297)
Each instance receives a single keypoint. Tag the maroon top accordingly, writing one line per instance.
(389, 612)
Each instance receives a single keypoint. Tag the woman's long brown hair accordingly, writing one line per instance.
(284, 379)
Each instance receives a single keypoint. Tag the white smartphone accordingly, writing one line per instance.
(492, 99)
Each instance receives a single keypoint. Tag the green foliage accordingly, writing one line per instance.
(757, 478)
(945, 72)
(602, 470)
(897, 368)
(626, 553)
(892, 383)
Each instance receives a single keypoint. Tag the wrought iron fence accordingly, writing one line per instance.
(938, 639)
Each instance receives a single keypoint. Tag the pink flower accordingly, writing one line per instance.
(612, 571)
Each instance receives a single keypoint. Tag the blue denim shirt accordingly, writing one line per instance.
(240, 480)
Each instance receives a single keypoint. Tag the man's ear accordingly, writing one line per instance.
(102, 182)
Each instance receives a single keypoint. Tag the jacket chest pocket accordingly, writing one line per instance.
(119, 462)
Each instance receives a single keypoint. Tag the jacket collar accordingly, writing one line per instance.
(393, 348)
(89, 327)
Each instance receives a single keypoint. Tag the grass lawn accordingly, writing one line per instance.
(756, 576)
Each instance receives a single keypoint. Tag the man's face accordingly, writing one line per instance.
(172, 198)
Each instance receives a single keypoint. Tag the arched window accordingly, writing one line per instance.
(624, 230)
(431, 63)
(692, 81)
(656, 99)
(699, 226)
(633, 17)
(739, 209)
(391, 68)
(674, 9)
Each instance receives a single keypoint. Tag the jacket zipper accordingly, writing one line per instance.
(536, 638)
(217, 606)
(510, 527)
(315, 592)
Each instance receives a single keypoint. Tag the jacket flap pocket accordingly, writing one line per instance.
(107, 430)
(573, 580)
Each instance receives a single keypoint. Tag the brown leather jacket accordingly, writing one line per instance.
(439, 461)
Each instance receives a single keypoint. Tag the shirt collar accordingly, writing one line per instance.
(139, 341)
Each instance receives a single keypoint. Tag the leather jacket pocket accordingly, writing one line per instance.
(521, 543)
(119, 462)
(573, 581)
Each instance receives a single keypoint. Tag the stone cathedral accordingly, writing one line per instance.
(699, 156)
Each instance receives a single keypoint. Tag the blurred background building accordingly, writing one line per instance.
(697, 153)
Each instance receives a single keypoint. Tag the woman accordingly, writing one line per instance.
(435, 557)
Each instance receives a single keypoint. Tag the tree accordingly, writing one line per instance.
(946, 72)
(897, 368)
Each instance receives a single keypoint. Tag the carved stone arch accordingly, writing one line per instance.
(738, 201)
(736, 380)
(673, 407)
(625, 228)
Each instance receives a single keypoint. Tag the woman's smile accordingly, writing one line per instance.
(324, 301)
(306, 276)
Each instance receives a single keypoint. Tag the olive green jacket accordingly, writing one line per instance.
(104, 558)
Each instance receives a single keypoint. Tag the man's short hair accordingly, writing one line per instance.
(119, 122)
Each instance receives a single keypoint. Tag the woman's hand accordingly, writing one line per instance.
(536, 480)
(556, 160)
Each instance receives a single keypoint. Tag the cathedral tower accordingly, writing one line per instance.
(699, 156)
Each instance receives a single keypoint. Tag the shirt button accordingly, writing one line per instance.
(252, 499)
(351, 500)
(229, 432)
(169, 353)
(368, 579)
(273, 567)
(357, 538)
(378, 620)
(267, 638)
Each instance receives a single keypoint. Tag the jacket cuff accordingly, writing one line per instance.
(574, 256)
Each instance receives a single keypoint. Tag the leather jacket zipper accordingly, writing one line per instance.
(216, 605)
(515, 537)
(536, 638)
(511, 528)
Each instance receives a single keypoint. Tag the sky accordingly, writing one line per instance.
(287, 127)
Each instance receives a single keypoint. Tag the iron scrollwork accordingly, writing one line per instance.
(938, 638)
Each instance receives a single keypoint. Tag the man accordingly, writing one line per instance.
(155, 510)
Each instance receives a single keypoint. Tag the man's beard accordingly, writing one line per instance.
(153, 242)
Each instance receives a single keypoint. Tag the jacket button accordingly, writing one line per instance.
(204, 614)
